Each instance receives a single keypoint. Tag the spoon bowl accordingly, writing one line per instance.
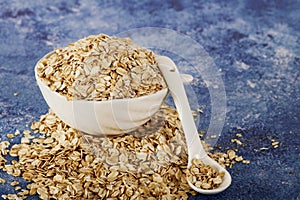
(195, 148)
(226, 179)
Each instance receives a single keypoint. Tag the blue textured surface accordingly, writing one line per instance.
(254, 43)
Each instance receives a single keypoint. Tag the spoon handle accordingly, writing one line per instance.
(175, 85)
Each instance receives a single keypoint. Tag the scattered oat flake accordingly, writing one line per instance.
(263, 148)
(14, 183)
(200, 110)
(26, 132)
(239, 158)
(231, 154)
(17, 132)
(2, 180)
(246, 162)
(9, 135)
(17, 188)
(236, 141)
(275, 143)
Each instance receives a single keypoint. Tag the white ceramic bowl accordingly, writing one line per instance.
(111, 117)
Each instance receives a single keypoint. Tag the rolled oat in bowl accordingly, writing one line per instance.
(100, 67)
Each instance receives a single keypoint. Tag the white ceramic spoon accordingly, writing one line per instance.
(195, 148)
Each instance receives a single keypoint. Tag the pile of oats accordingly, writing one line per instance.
(62, 163)
(204, 176)
(100, 67)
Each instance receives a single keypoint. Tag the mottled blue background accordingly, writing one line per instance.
(254, 43)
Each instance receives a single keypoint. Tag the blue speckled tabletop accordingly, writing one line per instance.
(254, 44)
